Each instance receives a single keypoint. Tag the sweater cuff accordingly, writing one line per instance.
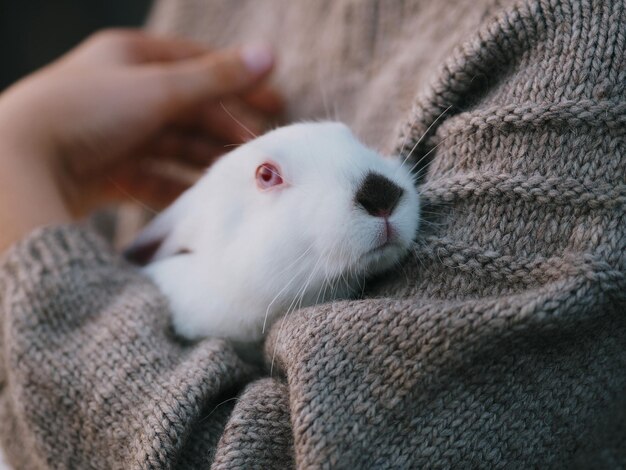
(55, 248)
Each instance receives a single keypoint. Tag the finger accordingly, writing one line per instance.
(136, 183)
(210, 77)
(153, 191)
(265, 99)
(143, 184)
(132, 46)
(142, 47)
(181, 145)
(232, 122)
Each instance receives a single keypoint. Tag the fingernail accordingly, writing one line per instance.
(257, 58)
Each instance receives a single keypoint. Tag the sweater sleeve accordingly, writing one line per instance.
(90, 374)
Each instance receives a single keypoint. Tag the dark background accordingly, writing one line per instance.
(34, 32)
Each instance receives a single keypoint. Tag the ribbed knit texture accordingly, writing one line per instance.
(500, 343)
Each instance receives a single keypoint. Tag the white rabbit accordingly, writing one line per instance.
(298, 216)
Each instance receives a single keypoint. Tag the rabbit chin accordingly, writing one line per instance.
(381, 259)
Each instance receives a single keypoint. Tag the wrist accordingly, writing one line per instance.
(30, 196)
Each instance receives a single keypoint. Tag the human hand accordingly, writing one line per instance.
(74, 134)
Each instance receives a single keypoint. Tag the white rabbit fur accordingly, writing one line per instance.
(233, 257)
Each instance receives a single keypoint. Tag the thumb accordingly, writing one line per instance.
(212, 76)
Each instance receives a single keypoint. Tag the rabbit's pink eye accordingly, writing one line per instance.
(267, 175)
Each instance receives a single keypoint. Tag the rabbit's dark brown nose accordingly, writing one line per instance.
(378, 195)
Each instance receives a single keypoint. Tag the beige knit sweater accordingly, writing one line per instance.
(501, 342)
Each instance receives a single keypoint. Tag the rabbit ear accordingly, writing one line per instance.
(157, 240)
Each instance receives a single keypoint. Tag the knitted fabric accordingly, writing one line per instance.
(499, 343)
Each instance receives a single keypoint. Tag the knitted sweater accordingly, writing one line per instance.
(499, 343)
